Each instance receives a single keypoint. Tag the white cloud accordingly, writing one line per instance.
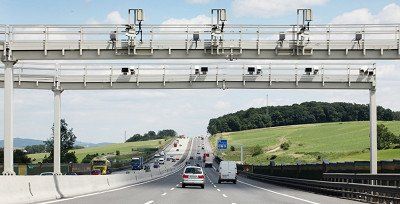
(389, 14)
(198, 1)
(115, 17)
(270, 8)
(222, 105)
(200, 19)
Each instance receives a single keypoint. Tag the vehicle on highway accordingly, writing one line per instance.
(156, 165)
(71, 174)
(191, 157)
(47, 174)
(193, 176)
(173, 160)
(168, 159)
(161, 160)
(177, 149)
(101, 163)
(208, 160)
(199, 158)
(137, 163)
(227, 172)
(95, 172)
(202, 148)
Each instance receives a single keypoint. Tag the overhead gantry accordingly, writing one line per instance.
(60, 77)
(217, 40)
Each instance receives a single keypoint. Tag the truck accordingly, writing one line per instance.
(137, 163)
(101, 163)
(208, 160)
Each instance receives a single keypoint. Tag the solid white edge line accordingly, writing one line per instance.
(282, 194)
(116, 189)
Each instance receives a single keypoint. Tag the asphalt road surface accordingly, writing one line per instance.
(168, 190)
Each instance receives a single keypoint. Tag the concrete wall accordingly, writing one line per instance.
(29, 189)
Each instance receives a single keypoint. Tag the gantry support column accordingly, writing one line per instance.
(373, 132)
(57, 131)
(8, 118)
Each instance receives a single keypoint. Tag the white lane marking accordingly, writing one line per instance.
(149, 202)
(171, 189)
(177, 185)
(224, 195)
(282, 194)
(214, 186)
(218, 189)
(163, 194)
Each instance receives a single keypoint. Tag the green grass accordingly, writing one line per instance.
(124, 148)
(344, 141)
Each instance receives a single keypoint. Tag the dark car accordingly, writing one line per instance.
(95, 172)
(191, 157)
(156, 165)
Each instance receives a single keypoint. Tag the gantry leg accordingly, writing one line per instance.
(8, 118)
(57, 131)
(373, 133)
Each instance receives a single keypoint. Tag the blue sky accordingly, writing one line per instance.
(98, 116)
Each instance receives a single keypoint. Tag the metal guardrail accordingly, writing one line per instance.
(354, 191)
(376, 179)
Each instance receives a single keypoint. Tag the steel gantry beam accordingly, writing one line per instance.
(94, 42)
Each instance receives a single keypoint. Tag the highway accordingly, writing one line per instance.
(168, 190)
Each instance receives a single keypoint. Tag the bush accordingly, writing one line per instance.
(273, 157)
(232, 148)
(117, 152)
(88, 158)
(256, 150)
(285, 146)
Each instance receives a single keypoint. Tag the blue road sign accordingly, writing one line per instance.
(222, 144)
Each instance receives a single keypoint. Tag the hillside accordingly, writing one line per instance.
(124, 148)
(296, 114)
(340, 141)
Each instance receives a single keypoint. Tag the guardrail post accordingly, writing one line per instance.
(57, 131)
(373, 132)
(8, 118)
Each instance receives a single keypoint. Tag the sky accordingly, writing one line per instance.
(104, 116)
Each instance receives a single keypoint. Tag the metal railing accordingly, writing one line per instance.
(354, 191)
(375, 179)
(238, 37)
(268, 73)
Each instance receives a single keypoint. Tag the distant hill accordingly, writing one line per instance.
(304, 113)
(23, 142)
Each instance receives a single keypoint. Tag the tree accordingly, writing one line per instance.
(20, 156)
(285, 146)
(68, 139)
(88, 158)
(385, 138)
(256, 150)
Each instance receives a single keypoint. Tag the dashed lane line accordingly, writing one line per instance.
(171, 189)
(218, 189)
(149, 202)
(163, 194)
(282, 194)
(225, 196)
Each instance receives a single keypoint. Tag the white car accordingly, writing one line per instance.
(227, 171)
(161, 160)
(193, 176)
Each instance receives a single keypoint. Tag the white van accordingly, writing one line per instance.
(227, 171)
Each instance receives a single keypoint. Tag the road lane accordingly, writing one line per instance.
(168, 190)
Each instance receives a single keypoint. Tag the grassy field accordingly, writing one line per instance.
(344, 141)
(124, 148)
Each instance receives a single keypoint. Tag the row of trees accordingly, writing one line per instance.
(20, 156)
(307, 112)
(151, 135)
